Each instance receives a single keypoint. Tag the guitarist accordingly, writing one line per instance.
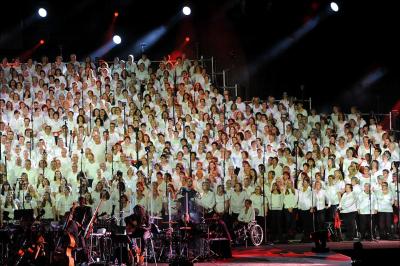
(82, 215)
(137, 226)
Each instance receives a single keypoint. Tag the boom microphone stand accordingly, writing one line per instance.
(370, 193)
(263, 194)
(296, 143)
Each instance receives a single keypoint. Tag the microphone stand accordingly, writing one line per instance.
(263, 194)
(90, 118)
(370, 193)
(255, 123)
(31, 147)
(137, 146)
(295, 153)
(184, 122)
(112, 162)
(190, 160)
(169, 226)
(148, 166)
(69, 145)
(173, 108)
(124, 105)
(397, 164)
(312, 201)
(81, 160)
(66, 133)
(5, 165)
(106, 148)
(120, 183)
(224, 101)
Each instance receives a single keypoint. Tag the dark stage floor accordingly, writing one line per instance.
(300, 254)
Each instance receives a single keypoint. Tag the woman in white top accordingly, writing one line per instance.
(304, 209)
(348, 211)
(49, 207)
(385, 211)
(237, 200)
(8, 208)
(222, 201)
(275, 213)
(155, 201)
(290, 199)
(260, 204)
(320, 203)
(367, 206)
(334, 197)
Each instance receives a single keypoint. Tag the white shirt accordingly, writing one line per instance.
(207, 200)
(237, 201)
(219, 202)
(365, 205)
(248, 216)
(385, 202)
(321, 199)
(304, 202)
(276, 202)
(348, 202)
(258, 203)
(290, 200)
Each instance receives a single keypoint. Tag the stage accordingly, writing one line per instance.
(300, 254)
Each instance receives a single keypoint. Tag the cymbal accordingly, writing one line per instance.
(171, 222)
(185, 228)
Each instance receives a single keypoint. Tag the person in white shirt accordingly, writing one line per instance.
(367, 210)
(47, 204)
(247, 213)
(275, 212)
(207, 199)
(334, 196)
(304, 208)
(221, 201)
(320, 203)
(237, 200)
(290, 199)
(348, 211)
(385, 211)
(260, 204)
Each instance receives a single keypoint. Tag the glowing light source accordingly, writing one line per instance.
(116, 14)
(117, 39)
(41, 42)
(334, 6)
(42, 12)
(186, 10)
(187, 39)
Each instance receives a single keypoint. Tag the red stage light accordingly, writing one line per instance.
(187, 39)
(41, 42)
(116, 14)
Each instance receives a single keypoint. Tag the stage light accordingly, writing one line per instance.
(187, 39)
(117, 39)
(334, 6)
(42, 12)
(41, 42)
(116, 14)
(186, 10)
